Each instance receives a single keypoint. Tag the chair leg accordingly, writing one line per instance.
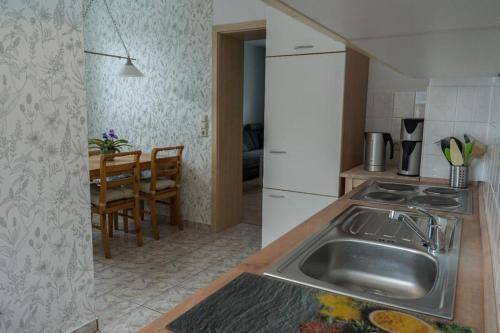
(110, 224)
(178, 212)
(154, 219)
(142, 210)
(137, 223)
(115, 220)
(125, 220)
(104, 236)
(173, 218)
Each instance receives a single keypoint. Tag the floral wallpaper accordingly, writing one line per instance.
(46, 269)
(171, 40)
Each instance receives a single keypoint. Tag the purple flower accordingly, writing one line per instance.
(105, 135)
(112, 134)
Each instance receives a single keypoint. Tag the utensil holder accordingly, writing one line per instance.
(459, 176)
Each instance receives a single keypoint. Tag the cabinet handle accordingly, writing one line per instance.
(277, 152)
(303, 47)
(275, 196)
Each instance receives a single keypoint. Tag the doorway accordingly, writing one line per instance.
(254, 86)
(228, 99)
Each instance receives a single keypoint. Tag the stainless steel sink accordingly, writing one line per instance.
(356, 266)
(365, 254)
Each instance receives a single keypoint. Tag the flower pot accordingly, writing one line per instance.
(109, 153)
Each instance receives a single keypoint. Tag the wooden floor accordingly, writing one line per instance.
(252, 202)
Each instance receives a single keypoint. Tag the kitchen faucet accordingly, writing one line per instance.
(435, 238)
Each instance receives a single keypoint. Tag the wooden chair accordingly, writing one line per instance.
(117, 193)
(164, 184)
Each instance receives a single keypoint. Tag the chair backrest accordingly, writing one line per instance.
(166, 163)
(120, 169)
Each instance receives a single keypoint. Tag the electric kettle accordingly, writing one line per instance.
(375, 150)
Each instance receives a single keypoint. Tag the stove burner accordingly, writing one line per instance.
(396, 187)
(385, 197)
(434, 201)
(442, 191)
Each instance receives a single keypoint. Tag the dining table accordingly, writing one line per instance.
(95, 164)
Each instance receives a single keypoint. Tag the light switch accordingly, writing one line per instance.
(204, 126)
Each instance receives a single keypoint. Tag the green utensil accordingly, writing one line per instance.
(447, 154)
(469, 145)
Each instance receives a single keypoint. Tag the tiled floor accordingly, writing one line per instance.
(139, 284)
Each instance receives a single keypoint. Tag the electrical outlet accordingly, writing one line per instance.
(204, 132)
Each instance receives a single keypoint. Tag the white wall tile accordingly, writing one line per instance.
(477, 170)
(435, 166)
(492, 197)
(404, 104)
(421, 97)
(477, 130)
(433, 132)
(493, 159)
(473, 104)
(395, 129)
(442, 103)
(482, 104)
(419, 111)
(495, 108)
(378, 124)
(383, 104)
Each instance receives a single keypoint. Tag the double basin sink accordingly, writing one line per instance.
(364, 253)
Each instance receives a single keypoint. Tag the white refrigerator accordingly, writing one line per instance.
(302, 139)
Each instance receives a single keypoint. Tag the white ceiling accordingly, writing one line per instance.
(424, 38)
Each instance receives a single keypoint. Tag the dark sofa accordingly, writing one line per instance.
(253, 144)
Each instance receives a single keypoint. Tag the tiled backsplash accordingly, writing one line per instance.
(492, 188)
(386, 109)
(455, 108)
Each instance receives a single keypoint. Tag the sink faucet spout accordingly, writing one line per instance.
(406, 219)
(435, 237)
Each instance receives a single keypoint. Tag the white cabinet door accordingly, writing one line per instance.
(282, 211)
(303, 131)
(287, 36)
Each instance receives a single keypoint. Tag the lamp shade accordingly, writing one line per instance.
(129, 70)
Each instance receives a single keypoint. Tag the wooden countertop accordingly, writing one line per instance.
(469, 295)
(391, 172)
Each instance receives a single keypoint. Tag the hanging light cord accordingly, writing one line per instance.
(116, 28)
(87, 9)
(114, 25)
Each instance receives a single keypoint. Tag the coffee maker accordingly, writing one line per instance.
(412, 132)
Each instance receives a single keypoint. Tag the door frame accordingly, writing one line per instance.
(227, 200)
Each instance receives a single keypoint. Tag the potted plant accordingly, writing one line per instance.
(110, 143)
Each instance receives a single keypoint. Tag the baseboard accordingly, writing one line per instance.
(197, 225)
(90, 327)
